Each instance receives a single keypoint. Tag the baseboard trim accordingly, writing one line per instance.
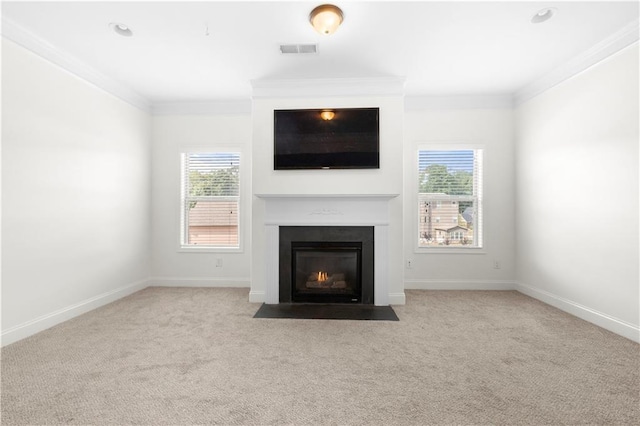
(615, 325)
(397, 299)
(256, 296)
(459, 285)
(44, 322)
(199, 282)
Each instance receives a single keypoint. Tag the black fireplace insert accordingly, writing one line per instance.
(326, 272)
(326, 264)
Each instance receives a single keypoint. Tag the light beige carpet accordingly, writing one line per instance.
(196, 356)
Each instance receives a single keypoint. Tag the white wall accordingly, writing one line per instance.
(386, 180)
(84, 193)
(173, 135)
(75, 195)
(492, 130)
(577, 194)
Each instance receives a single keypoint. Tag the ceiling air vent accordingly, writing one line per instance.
(298, 48)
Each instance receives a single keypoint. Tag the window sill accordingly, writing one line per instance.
(207, 249)
(443, 250)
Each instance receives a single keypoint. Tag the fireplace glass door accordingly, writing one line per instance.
(326, 272)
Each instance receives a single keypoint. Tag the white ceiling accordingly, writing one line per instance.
(440, 48)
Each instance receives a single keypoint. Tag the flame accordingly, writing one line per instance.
(322, 276)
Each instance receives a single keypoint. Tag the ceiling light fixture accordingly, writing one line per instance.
(543, 15)
(121, 29)
(327, 114)
(326, 18)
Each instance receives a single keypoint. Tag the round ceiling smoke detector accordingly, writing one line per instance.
(543, 15)
(121, 29)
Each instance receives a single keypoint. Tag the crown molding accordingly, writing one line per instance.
(323, 87)
(223, 106)
(30, 41)
(418, 103)
(625, 37)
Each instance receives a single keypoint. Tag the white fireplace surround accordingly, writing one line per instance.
(327, 210)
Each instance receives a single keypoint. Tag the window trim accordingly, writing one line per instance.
(442, 146)
(181, 226)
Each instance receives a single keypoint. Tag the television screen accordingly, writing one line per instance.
(337, 138)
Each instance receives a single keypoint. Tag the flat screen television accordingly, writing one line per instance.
(337, 138)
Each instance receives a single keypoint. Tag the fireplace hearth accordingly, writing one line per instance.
(326, 264)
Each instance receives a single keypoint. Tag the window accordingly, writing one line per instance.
(450, 183)
(210, 200)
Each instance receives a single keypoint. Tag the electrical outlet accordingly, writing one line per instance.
(218, 263)
(496, 264)
(409, 264)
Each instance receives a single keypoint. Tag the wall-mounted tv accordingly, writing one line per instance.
(336, 138)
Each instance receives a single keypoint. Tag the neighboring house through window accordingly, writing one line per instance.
(450, 185)
(210, 200)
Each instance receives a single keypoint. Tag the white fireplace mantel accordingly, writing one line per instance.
(327, 210)
(281, 195)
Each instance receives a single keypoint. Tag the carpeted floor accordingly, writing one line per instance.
(197, 356)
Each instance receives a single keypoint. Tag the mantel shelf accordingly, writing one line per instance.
(377, 196)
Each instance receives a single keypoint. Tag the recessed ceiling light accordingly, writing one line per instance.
(121, 29)
(543, 15)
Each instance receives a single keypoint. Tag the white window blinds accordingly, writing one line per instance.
(450, 186)
(210, 199)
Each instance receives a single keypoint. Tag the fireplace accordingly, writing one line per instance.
(326, 272)
(326, 264)
(276, 211)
